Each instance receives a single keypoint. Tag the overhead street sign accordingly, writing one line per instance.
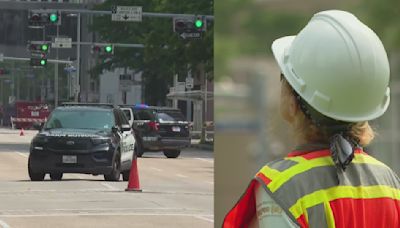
(192, 35)
(126, 13)
(62, 42)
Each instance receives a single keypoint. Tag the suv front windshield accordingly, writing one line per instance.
(81, 119)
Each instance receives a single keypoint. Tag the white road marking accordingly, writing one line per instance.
(204, 218)
(25, 155)
(156, 169)
(3, 224)
(200, 216)
(109, 186)
(206, 160)
(209, 182)
(180, 175)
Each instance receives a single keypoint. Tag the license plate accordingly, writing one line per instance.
(176, 129)
(70, 159)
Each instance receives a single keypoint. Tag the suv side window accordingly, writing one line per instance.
(144, 115)
(117, 118)
(123, 118)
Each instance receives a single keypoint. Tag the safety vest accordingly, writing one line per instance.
(313, 193)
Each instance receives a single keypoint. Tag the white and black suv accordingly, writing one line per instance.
(83, 138)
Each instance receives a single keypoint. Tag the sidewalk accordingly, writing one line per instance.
(195, 143)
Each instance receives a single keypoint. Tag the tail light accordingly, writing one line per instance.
(153, 125)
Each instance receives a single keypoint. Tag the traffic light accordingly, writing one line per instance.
(40, 18)
(39, 47)
(200, 23)
(37, 61)
(182, 25)
(103, 49)
(4, 71)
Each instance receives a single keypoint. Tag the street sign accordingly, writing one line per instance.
(192, 35)
(127, 13)
(1, 57)
(62, 42)
(189, 83)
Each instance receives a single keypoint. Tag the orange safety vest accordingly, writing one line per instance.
(313, 193)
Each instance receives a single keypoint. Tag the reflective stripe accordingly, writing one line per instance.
(269, 172)
(277, 182)
(326, 195)
(280, 178)
(282, 165)
(330, 220)
(327, 176)
(316, 216)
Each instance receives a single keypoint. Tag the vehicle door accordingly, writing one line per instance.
(143, 122)
(128, 141)
(129, 115)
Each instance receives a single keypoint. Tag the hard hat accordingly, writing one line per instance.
(338, 66)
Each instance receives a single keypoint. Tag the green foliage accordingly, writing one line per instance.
(165, 53)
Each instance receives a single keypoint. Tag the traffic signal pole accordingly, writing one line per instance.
(77, 85)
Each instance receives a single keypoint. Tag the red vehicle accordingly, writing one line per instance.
(29, 112)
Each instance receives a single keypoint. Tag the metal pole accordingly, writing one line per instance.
(205, 106)
(78, 59)
(56, 76)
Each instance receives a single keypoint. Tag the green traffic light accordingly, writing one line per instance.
(108, 49)
(45, 47)
(53, 17)
(198, 23)
(43, 62)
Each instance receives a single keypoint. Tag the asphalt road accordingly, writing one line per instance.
(176, 192)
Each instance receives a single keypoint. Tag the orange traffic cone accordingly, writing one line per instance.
(133, 184)
(21, 133)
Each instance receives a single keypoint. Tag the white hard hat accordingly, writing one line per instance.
(338, 66)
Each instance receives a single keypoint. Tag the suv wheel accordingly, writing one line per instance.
(56, 176)
(138, 150)
(116, 171)
(172, 153)
(35, 176)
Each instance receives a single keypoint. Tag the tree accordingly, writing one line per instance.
(164, 54)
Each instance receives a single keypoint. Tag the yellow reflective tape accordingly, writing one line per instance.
(296, 159)
(363, 158)
(296, 169)
(269, 172)
(330, 220)
(327, 195)
(305, 165)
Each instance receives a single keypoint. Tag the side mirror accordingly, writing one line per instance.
(125, 127)
(114, 129)
(37, 126)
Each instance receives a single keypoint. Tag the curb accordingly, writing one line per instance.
(203, 146)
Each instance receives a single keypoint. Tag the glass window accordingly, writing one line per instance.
(127, 114)
(170, 115)
(144, 115)
(81, 119)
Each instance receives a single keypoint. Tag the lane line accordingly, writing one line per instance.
(3, 224)
(156, 169)
(22, 154)
(205, 160)
(109, 186)
(180, 175)
(203, 216)
(205, 219)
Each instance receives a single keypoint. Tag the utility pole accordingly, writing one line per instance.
(78, 59)
(56, 76)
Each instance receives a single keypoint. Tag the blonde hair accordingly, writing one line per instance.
(307, 131)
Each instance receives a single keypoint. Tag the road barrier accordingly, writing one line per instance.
(26, 120)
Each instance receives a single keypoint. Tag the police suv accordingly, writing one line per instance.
(83, 138)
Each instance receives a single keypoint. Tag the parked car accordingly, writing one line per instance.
(158, 129)
(83, 138)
